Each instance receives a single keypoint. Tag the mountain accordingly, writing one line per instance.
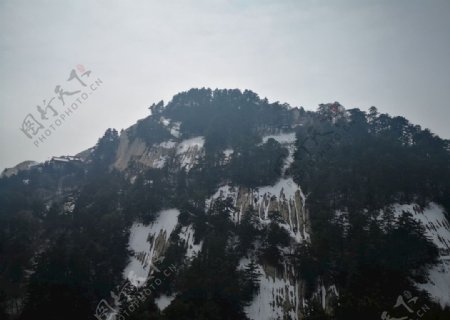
(21, 166)
(221, 205)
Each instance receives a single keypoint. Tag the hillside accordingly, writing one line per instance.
(222, 205)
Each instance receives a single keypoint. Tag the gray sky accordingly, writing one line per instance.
(391, 54)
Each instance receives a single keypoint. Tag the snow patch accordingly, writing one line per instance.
(438, 285)
(325, 295)
(148, 242)
(277, 298)
(188, 151)
(227, 155)
(185, 145)
(165, 122)
(283, 188)
(282, 138)
(159, 162)
(437, 229)
(285, 196)
(187, 235)
(69, 206)
(175, 129)
(228, 152)
(433, 219)
(287, 140)
(168, 144)
(164, 301)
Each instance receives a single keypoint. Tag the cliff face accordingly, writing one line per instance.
(25, 165)
(285, 199)
(184, 153)
(281, 293)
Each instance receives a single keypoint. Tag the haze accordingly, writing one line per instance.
(390, 54)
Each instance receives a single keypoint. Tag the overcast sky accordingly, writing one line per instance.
(391, 54)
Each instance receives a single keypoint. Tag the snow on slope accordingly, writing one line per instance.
(174, 127)
(185, 145)
(278, 296)
(438, 285)
(287, 140)
(164, 301)
(282, 138)
(228, 154)
(284, 197)
(148, 243)
(437, 229)
(433, 219)
(187, 235)
(189, 150)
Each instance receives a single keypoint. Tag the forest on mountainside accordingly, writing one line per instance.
(60, 263)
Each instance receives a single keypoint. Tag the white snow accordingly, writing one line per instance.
(227, 155)
(164, 301)
(168, 144)
(324, 293)
(223, 192)
(175, 130)
(186, 145)
(143, 241)
(334, 290)
(287, 140)
(60, 159)
(187, 235)
(189, 150)
(282, 138)
(438, 285)
(274, 293)
(324, 296)
(243, 263)
(160, 162)
(437, 229)
(284, 190)
(289, 159)
(228, 152)
(69, 206)
(434, 221)
(284, 187)
(165, 122)
(174, 127)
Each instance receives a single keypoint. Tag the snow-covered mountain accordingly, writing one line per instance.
(223, 205)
